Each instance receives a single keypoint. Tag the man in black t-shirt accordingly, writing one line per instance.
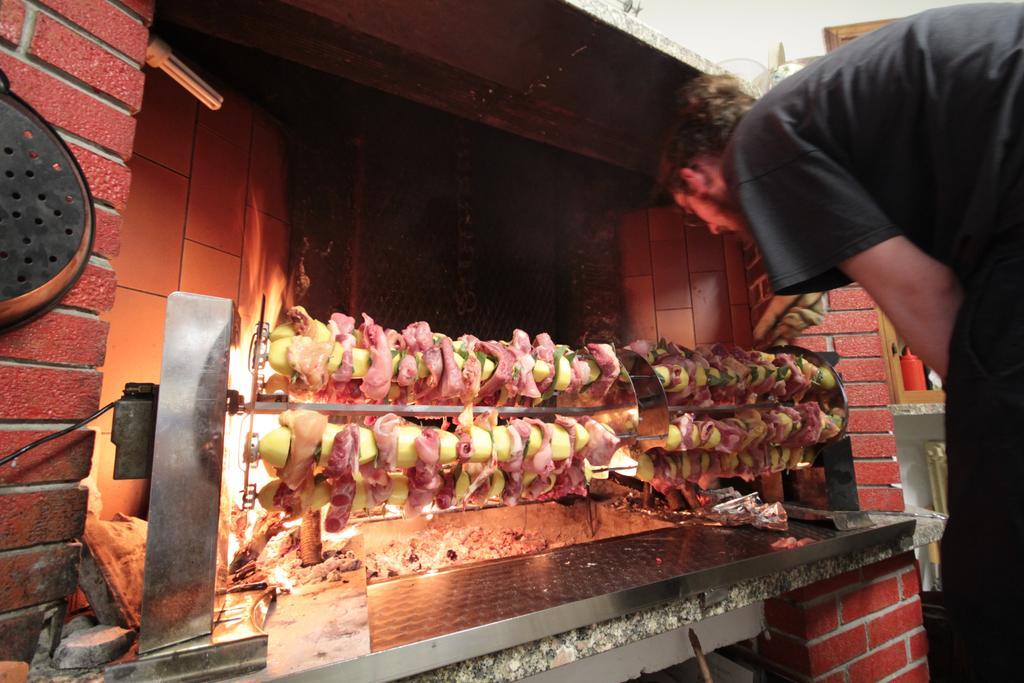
(897, 161)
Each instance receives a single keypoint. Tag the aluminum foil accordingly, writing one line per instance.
(727, 507)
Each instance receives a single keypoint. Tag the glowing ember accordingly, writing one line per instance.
(280, 563)
(432, 549)
(278, 576)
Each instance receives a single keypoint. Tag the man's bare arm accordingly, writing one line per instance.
(919, 294)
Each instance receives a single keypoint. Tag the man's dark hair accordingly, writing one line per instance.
(708, 108)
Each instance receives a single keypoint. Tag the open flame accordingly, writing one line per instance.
(264, 273)
(278, 576)
(394, 510)
(345, 534)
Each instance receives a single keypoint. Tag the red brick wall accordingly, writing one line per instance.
(850, 328)
(859, 627)
(78, 62)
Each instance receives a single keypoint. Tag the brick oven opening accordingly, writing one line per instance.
(489, 174)
(308, 189)
(409, 213)
(312, 191)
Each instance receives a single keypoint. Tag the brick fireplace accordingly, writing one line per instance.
(80, 65)
(79, 62)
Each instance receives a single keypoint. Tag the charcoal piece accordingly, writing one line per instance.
(80, 623)
(111, 575)
(93, 647)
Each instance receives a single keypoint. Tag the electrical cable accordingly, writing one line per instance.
(56, 435)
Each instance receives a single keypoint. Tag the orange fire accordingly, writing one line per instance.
(264, 273)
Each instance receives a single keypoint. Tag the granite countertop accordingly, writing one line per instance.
(547, 653)
(614, 16)
(901, 409)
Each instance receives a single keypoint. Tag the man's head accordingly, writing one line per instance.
(708, 109)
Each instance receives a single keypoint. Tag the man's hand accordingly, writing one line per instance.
(919, 294)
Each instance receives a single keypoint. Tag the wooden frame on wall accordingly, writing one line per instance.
(892, 348)
(837, 36)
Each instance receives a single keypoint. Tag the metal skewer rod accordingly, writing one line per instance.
(359, 409)
(725, 409)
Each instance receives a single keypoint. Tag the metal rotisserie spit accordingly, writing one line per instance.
(369, 555)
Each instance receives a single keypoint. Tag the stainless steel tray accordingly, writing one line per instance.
(423, 622)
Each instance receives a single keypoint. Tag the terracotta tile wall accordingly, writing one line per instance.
(681, 282)
(207, 214)
(78, 63)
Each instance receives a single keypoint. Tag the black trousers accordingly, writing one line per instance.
(983, 547)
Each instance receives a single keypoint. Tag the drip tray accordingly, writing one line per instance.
(421, 622)
(684, 561)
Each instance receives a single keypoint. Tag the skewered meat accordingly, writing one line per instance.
(377, 381)
(307, 429)
(418, 366)
(608, 362)
(357, 467)
(727, 374)
(750, 445)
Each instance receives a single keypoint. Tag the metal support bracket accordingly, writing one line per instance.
(133, 429)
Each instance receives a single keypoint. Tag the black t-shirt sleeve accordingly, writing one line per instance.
(807, 215)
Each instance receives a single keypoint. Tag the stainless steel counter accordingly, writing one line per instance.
(422, 623)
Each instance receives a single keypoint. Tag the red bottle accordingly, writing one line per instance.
(912, 370)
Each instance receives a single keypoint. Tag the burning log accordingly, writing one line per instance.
(310, 547)
(266, 528)
(675, 500)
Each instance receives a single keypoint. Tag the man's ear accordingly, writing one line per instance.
(695, 179)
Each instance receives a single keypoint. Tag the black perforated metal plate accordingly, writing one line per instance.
(44, 206)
